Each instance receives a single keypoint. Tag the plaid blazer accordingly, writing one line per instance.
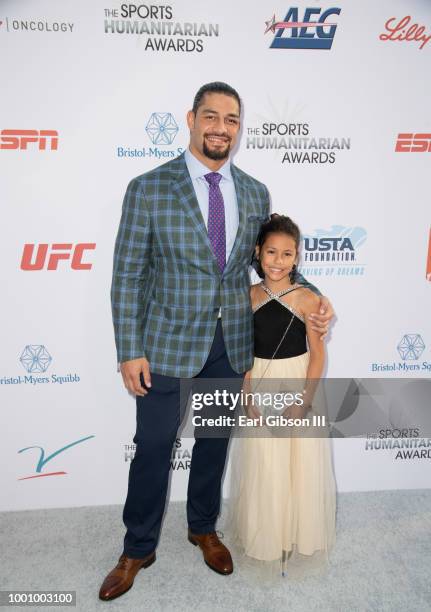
(167, 288)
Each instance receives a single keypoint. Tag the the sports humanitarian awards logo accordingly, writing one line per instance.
(157, 28)
(180, 457)
(283, 132)
(43, 460)
(316, 30)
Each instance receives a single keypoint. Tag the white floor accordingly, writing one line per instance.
(381, 561)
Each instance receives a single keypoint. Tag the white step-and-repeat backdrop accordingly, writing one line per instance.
(336, 123)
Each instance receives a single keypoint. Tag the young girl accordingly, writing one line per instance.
(283, 501)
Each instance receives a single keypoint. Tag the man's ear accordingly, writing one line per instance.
(191, 120)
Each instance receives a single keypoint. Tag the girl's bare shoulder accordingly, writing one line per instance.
(307, 300)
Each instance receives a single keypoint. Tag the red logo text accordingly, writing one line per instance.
(20, 139)
(399, 31)
(413, 143)
(46, 256)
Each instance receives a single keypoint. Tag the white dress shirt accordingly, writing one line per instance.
(197, 171)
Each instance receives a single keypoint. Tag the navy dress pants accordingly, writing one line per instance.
(158, 417)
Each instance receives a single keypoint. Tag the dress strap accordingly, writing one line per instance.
(279, 293)
(276, 297)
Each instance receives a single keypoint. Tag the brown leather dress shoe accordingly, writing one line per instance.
(121, 578)
(216, 555)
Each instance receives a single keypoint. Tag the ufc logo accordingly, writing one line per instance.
(19, 139)
(51, 254)
(413, 143)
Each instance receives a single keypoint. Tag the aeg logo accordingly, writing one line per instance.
(312, 32)
(19, 139)
(53, 253)
(413, 143)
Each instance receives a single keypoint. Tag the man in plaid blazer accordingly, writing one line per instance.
(181, 309)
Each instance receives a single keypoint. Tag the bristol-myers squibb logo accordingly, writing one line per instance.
(43, 459)
(334, 252)
(410, 348)
(36, 360)
(161, 129)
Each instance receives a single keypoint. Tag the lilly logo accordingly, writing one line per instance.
(43, 460)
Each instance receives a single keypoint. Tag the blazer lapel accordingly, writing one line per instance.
(183, 188)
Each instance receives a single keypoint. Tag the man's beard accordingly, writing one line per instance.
(217, 154)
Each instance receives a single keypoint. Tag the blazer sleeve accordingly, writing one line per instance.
(131, 268)
(267, 203)
(304, 282)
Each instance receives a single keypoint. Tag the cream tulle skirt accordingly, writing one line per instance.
(282, 496)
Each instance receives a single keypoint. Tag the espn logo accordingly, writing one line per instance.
(413, 143)
(20, 139)
(52, 254)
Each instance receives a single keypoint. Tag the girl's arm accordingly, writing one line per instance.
(250, 410)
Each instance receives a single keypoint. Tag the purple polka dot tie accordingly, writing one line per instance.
(216, 221)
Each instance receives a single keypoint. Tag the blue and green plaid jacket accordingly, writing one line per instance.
(167, 288)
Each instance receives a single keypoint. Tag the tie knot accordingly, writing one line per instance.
(213, 178)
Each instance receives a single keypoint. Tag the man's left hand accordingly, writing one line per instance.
(320, 321)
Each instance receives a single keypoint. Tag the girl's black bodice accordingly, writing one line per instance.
(271, 318)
